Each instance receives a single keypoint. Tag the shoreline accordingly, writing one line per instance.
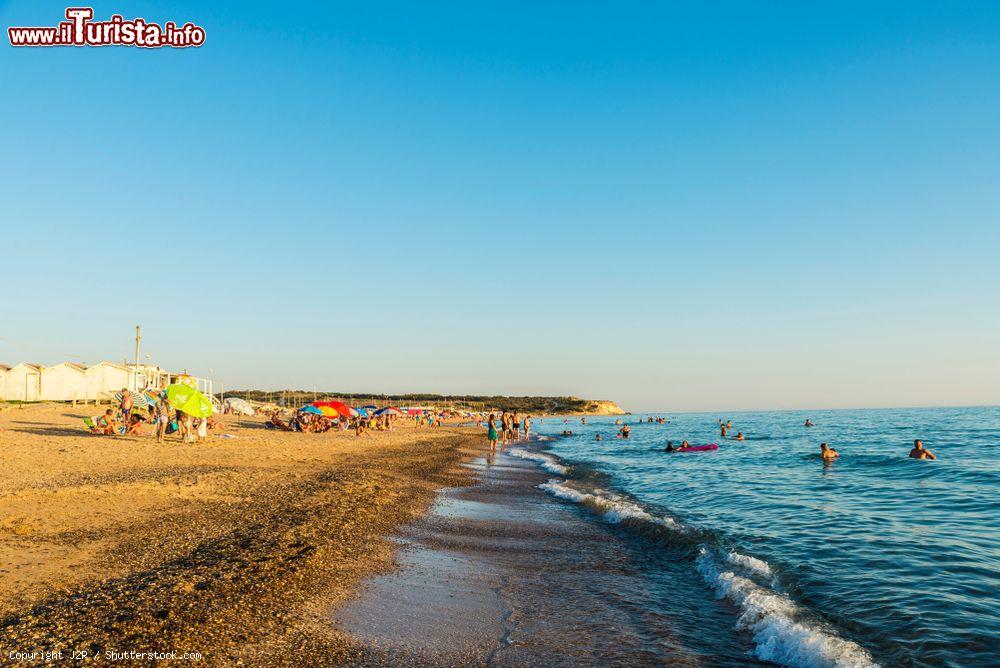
(235, 548)
(501, 573)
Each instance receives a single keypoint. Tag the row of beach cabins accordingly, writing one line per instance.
(71, 381)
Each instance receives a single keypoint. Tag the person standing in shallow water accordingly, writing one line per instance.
(920, 452)
(493, 435)
(527, 427)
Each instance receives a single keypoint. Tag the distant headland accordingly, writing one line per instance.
(537, 405)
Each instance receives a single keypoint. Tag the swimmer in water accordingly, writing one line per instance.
(684, 444)
(597, 438)
(920, 452)
(625, 431)
(670, 447)
(739, 436)
(729, 424)
(809, 423)
(722, 429)
(827, 453)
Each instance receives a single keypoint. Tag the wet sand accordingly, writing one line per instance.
(499, 573)
(234, 548)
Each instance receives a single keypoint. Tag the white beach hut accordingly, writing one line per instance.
(104, 379)
(65, 381)
(23, 382)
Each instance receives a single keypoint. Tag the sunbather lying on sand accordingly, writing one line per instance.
(276, 422)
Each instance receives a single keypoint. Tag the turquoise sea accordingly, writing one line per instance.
(873, 559)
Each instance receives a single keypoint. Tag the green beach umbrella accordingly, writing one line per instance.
(189, 400)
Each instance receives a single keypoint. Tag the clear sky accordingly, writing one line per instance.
(675, 205)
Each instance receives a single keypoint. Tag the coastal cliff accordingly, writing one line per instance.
(602, 408)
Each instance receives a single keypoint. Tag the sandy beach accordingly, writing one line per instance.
(234, 548)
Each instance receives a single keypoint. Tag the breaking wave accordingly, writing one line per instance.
(781, 632)
(545, 461)
(611, 507)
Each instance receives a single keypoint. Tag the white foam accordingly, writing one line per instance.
(546, 462)
(613, 509)
(752, 564)
(775, 621)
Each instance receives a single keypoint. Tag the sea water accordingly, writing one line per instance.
(873, 559)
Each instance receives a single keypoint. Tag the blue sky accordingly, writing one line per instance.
(673, 205)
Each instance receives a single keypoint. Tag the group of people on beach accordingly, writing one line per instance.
(310, 423)
(510, 429)
(125, 420)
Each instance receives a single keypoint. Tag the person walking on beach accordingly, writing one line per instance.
(492, 434)
(527, 427)
(920, 452)
(515, 423)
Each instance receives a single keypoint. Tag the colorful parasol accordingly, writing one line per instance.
(188, 400)
(340, 407)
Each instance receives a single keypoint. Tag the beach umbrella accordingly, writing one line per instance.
(387, 411)
(338, 406)
(361, 411)
(369, 407)
(311, 409)
(138, 400)
(240, 406)
(328, 412)
(188, 400)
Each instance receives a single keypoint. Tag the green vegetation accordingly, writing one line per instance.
(469, 402)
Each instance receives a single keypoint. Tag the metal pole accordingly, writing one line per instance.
(135, 370)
